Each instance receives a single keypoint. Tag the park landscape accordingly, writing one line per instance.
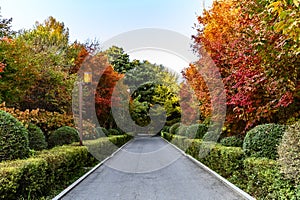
(255, 46)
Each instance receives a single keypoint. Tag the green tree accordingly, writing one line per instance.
(119, 59)
(153, 84)
(5, 27)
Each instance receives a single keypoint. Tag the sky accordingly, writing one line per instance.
(104, 19)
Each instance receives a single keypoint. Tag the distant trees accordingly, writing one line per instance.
(149, 84)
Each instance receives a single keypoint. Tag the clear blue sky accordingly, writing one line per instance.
(103, 19)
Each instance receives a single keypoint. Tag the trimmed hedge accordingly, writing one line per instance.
(265, 181)
(224, 160)
(119, 140)
(173, 128)
(181, 130)
(14, 142)
(114, 132)
(36, 177)
(63, 135)
(167, 136)
(232, 141)
(105, 146)
(36, 138)
(260, 177)
(212, 135)
(289, 153)
(166, 129)
(48, 172)
(196, 131)
(263, 140)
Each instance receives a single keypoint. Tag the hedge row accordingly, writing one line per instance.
(48, 171)
(265, 181)
(260, 177)
(36, 177)
(194, 131)
(101, 148)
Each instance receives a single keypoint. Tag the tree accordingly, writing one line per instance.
(153, 84)
(97, 97)
(38, 65)
(119, 59)
(5, 27)
(257, 64)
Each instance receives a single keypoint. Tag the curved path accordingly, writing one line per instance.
(149, 168)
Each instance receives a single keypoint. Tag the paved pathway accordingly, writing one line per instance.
(148, 168)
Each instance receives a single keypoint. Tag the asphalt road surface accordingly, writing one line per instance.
(148, 168)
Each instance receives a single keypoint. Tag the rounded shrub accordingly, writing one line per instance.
(263, 140)
(36, 138)
(196, 131)
(63, 135)
(289, 153)
(174, 128)
(114, 132)
(212, 136)
(232, 141)
(182, 130)
(13, 138)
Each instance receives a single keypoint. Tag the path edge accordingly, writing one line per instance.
(219, 177)
(79, 180)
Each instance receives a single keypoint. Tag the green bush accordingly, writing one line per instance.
(52, 170)
(264, 180)
(289, 153)
(260, 177)
(174, 128)
(49, 171)
(181, 130)
(119, 140)
(262, 140)
(105, 146)
(13, 138)
(196, 131)
(36, 138)
(167, 136)
(232, 141)
(224, 160)
(166, 129)
(114, 132)
(63, 135)
(212, 136)
(101, 132)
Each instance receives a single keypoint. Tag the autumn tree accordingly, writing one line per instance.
(38, 68)
(257, 65)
